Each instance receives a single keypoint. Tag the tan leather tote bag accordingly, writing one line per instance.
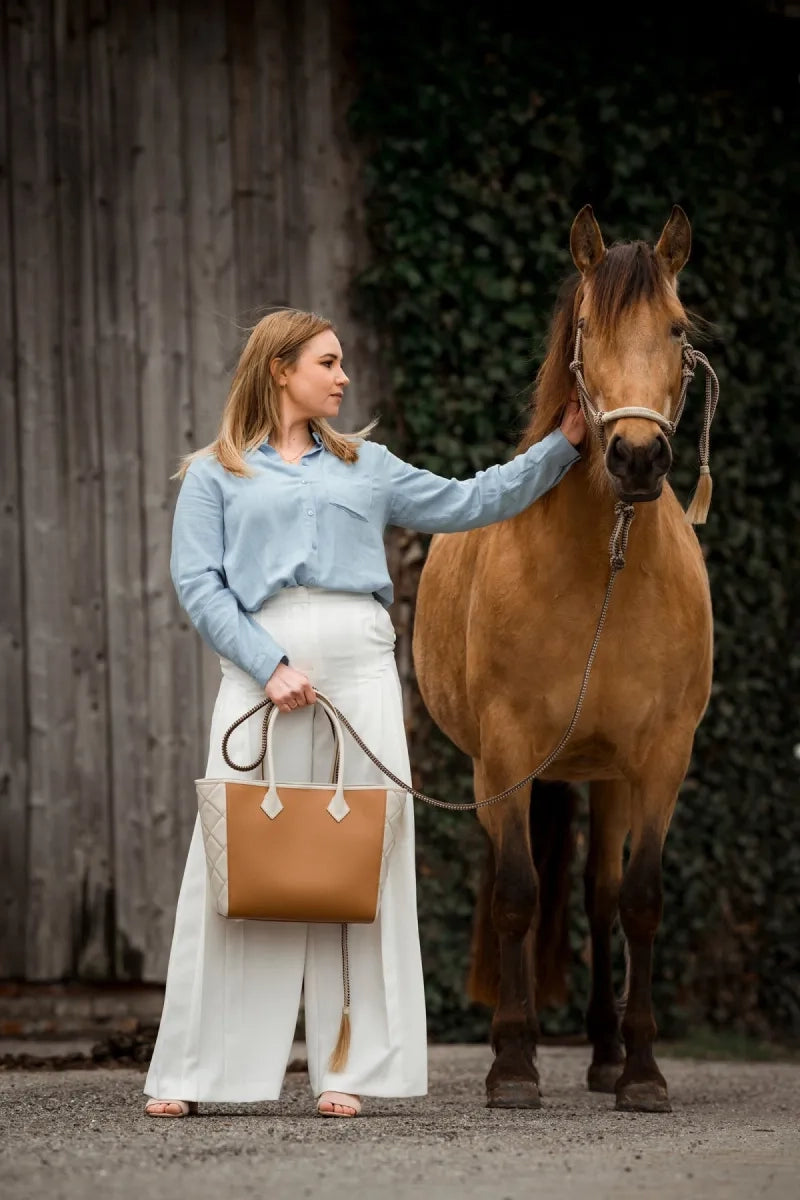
(296, 851)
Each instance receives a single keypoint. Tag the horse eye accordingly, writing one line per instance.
(677, 331)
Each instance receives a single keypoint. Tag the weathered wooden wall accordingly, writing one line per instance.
(168, 171)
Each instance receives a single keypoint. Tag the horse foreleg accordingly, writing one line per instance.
(609, 808)
(641, 1086)
(513, 1080)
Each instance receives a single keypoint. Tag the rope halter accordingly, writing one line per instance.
(597, 418)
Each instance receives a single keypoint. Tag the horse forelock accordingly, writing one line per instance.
(629, 274)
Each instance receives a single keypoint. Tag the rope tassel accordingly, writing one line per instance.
(697, 511)
(341, 1051)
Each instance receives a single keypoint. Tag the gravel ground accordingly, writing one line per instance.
(734, 1134)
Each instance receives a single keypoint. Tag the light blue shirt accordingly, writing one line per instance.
(237, 541)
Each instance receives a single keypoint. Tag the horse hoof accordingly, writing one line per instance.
(514, 1093)
(649, 1096)
(602, 1077)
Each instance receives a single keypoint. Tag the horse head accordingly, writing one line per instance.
(630, 338)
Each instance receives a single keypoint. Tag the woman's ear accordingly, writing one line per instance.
(278, 372)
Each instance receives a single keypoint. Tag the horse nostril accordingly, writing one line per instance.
(638, 468)
(660, 454)
(619, 455)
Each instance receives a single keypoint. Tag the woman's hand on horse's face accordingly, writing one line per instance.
(573, 424)
(288, 689)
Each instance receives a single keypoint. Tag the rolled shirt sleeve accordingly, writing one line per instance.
(429, 503)
(196, 566)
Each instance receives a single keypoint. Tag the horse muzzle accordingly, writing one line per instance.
(637, 472)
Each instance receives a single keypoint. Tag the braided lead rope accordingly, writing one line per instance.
(688, 364)
(591, 413)
(618, 545)
(617, 548)
(711, 400)
(268, 706)
(339, 1056)
(345, 972)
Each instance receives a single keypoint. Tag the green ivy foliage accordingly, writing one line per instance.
(486, 132)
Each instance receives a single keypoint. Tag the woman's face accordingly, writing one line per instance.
(314, 385)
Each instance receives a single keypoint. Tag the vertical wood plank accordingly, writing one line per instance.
(297, 155)
(367, 357)
(327, 245)
(315, 226)
(13, 698)
(44, 492)
(214, 336)
(165, 401)
(257, 38)
(90, 831)
(113, 79)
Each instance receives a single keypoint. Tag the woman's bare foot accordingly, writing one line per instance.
(338, 1104)
(170, 1108)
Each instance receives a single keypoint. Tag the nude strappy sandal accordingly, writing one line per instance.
(188, 1109)
(344, 1100)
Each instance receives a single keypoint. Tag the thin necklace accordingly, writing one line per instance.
(297, 457)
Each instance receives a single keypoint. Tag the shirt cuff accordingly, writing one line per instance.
(560, 447)
(264, 666)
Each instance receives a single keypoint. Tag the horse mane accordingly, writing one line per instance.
(554, 381)
(628, 273)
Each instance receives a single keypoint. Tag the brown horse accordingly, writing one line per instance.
(504, 622)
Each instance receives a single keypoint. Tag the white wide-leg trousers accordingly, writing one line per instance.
(233, 987)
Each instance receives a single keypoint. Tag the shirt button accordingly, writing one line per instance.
(310, 512)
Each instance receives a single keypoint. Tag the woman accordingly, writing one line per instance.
(278, 558)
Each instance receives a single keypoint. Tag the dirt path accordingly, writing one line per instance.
(734, 1134)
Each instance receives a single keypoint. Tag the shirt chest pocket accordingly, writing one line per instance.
(352, 500)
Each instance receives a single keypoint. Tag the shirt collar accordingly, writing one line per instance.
(265, 446)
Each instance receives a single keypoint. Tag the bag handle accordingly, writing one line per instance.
(271, 804)
(338, 807)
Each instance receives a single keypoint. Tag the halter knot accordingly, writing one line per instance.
(624, 512)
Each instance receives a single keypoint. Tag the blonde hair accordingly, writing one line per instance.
(252, 410)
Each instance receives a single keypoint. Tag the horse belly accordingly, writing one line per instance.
(587, 760)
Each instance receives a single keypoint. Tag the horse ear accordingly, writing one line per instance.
(586, 240)
(676, 241)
